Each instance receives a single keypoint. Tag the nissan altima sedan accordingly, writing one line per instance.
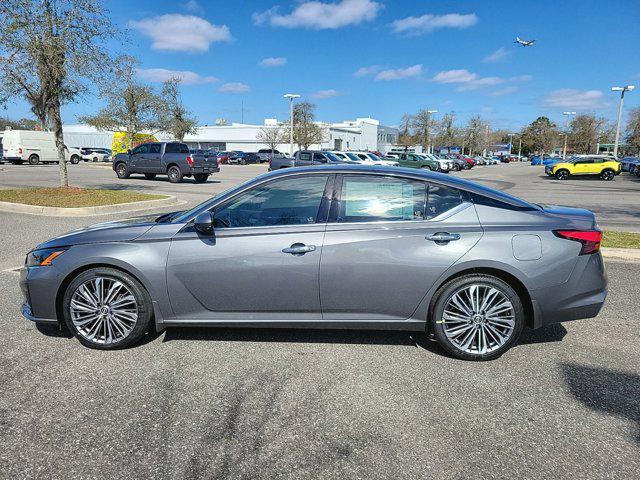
(345, 246)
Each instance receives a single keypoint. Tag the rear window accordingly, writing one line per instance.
(176, 148)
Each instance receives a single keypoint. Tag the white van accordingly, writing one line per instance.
(34, 147)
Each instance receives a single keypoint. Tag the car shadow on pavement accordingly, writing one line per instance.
(61, 331)
(547, 334)
(606, 391)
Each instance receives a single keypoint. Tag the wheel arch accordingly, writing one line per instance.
(172, 164)
(496, 271)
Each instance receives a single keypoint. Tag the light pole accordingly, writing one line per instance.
(628, 88)
(291, 96)
(429, 112)
(510, 144)
(566, 133)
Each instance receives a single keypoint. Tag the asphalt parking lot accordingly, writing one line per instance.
(224, 403)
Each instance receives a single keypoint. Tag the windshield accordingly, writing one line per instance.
(333, 157)
(354, 157)
(374, 157)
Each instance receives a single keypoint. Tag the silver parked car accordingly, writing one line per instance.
(342, 246)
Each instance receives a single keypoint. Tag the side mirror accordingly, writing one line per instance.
(204, 223)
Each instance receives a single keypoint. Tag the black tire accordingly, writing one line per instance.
(456, 167)
(467, 166)
(444, 294)
(427, 167)
(608, 175)
(562, 174)
(75, 159)
(201, 177)
(243, 162)
(34, 159)
(175, 174)
(142, 298)
(149, 176)
(122, 170)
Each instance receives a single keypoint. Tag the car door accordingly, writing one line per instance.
(136, 159)
(150, 161)
(387, 242)
(262, 263)
(583, 166)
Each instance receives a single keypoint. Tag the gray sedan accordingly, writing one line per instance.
(332, 247)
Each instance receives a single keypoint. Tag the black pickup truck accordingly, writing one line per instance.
(165, 158)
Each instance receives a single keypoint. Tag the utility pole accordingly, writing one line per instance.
(291, 96)
(566, 133)
(628, 88)
(429, 112)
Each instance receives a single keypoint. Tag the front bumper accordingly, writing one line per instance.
(39, 289)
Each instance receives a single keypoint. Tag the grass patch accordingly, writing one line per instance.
(613, 239)
(71, 197)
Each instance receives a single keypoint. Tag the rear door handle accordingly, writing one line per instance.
(443, 237)
(299, 249)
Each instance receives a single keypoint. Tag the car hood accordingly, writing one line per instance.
(117, 231)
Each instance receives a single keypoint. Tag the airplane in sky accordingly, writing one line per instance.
(524, 43)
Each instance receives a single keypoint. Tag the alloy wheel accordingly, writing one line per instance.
(607, 175)
(478, 319)
(103, 310)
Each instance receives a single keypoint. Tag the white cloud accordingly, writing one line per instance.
(499, 54)
(578, 99)
(504, 91)
(479, 83)
(194, 7)
(324, 94)
(273, 62)
(455, 76)
(181, 33)
(428, 23)
(364, 71)
(400, 73)
(521, 78)
(321, 15)
(234, 87)
(159, 75)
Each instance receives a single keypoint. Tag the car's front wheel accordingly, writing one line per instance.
(75, 159)
(107, 309)
(608, 175)
(122, 170)
(477, 317)
(175, 174)
(562, 174)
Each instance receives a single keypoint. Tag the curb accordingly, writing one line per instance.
(626, 254)
(89, 211)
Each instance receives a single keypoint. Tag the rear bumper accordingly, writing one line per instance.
(206, 169)
(581, 296)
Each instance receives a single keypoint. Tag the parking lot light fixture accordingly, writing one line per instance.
(429, 113)
(291, 96)
(566, 134)
(628, 88)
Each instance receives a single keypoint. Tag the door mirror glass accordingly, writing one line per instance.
(204, 223)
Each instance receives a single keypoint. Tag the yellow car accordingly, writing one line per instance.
(605, 168)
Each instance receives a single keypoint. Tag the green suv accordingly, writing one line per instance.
(414, 160)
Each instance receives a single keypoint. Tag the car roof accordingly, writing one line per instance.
(419, 174)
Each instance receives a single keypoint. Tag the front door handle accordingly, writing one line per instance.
(443, 237)
(299, 249)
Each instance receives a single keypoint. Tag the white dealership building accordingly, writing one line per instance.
(358, 134)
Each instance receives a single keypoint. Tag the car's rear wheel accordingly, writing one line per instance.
(34, 159)
(122, 170)
(200, 177)
(175, 174)
(149, 176)
(477, 317)
(608, 175)
(426, 167)
(562, 174)
(456, 167)
(107, 309)
(75, 159)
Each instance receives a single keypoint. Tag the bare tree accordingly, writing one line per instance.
(58, 46)
(423, 124)
(447, 134)
(405, 137)
(475, 135)
(22, 124)
(306, 131)
(272, 136)
(586, 131)
(174, 117)
(131, 106)
(632, 132)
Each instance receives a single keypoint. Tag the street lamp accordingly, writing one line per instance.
(566, 133)
(291, 96)
(628, 88)
(429, 112)
(511, 144)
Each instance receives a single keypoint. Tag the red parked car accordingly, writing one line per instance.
(470, 161)
(223, 157)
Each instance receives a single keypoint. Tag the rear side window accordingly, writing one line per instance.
(154, 148)
(306, 156)
(373, 198)
(441, 199)
(176, 148)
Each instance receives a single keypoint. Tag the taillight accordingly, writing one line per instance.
(190, 161)
(590, 239)
(19, 151)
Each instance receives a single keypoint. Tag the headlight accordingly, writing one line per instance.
(44, 257)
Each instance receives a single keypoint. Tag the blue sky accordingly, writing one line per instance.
(383, 58)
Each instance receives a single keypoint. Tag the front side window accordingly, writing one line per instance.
(371, 199)
(154, 148)
(289, 201)
(441, 199)
(319, 158)
(144, 148)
